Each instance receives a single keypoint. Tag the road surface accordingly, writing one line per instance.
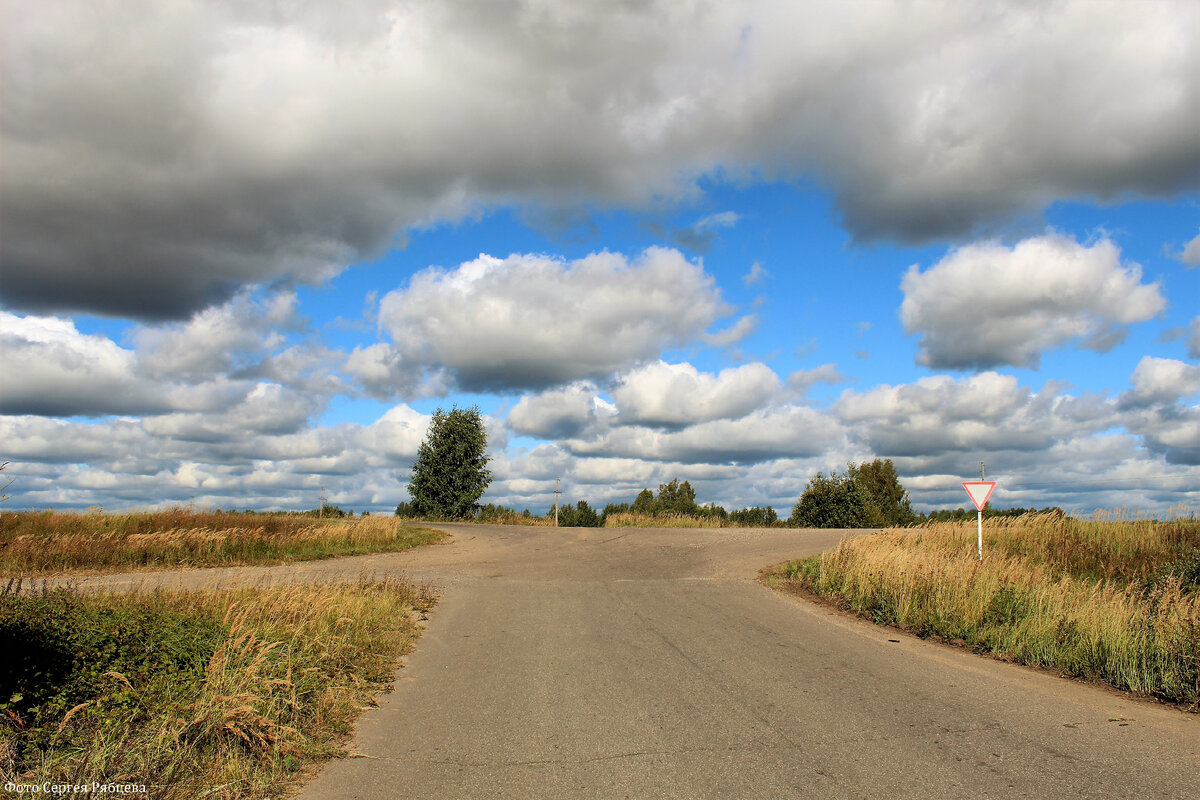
(616, 663)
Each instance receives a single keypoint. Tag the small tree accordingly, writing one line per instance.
(643, 503)
(676, 498)
(581, 515)
(451, 474)
(833, 502)
(881, 483)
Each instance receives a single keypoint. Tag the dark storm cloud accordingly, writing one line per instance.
(158, 157)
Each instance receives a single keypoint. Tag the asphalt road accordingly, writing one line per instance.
(610, 663)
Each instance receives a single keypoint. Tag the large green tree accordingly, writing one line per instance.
(881, 482)
(451, 474)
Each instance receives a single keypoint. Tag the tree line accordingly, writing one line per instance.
(451, 474)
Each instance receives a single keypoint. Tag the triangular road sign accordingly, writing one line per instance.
(980, 491)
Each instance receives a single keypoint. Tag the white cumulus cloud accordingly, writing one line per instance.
(530, 321)
(662, 394)
(986, 305)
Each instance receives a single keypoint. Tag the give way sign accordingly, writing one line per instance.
(980, 491)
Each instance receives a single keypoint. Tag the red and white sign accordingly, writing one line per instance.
(980, 491)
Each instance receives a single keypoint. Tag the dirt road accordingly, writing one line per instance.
(613, 663)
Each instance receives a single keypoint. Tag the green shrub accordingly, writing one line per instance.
(833, 502)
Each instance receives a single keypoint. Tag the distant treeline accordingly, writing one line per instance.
(330, 511)
(959, 514)
(867, 495)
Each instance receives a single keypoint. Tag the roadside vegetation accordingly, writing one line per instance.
(46, 542)
(232, 693)
(869, 495)
(1114, 598)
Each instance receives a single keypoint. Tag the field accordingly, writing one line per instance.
(48, 543)
(1115, 600)
(233, 693)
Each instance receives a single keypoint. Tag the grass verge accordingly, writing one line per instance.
(631, 519)
(1110, 600)
(194, 694)
(45, 543)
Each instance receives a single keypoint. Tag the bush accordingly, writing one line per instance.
(580, 516)
(833, 502)
(64, 652)
(754, 517)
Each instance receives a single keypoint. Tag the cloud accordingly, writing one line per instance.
(1161, 407)
(558, 413)
(674, 395)
(232, 337)
(985, 412)
(762, 435)
(51, 369)
(1190, 254)
(533, 321)
(268, 450)
(985, 305)
(204, 364)
(267, 408)
(210, 146)
(1157, 381)
(701, 235)
(757, 274)
(802, 380)
(745, 326)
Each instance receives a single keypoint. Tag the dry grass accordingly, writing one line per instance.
(636, 520)
(509, 517)
(42, 543)
(271, 696)
(1113, 600)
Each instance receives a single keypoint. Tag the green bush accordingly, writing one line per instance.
(62, 651)
(581, 515)
(833, 502)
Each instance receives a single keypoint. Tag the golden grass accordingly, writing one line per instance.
(41, 543)
(1102, 599)
(509, 517)
(294, 667)
(637, 520)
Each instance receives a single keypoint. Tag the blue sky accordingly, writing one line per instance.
(247, 253)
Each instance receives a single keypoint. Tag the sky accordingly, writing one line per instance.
(246, 250)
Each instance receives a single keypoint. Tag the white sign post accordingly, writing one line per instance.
(980, 491)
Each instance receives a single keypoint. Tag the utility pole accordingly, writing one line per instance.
(321, 512)
(556, 493)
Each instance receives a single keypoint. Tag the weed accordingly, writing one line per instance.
(40, 543)
(187, 691)
(1110, 599)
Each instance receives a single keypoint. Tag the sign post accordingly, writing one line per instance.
(980, 491)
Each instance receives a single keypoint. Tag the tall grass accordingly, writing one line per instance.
(39, 543)
(1116, 600)
(630, 519)
(256, 684)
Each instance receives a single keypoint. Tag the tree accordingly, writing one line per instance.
(643, 503)
(755, 517)
(581, 515)
(676, 498)
(451, 472)
(881, 483)
(833, 502)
